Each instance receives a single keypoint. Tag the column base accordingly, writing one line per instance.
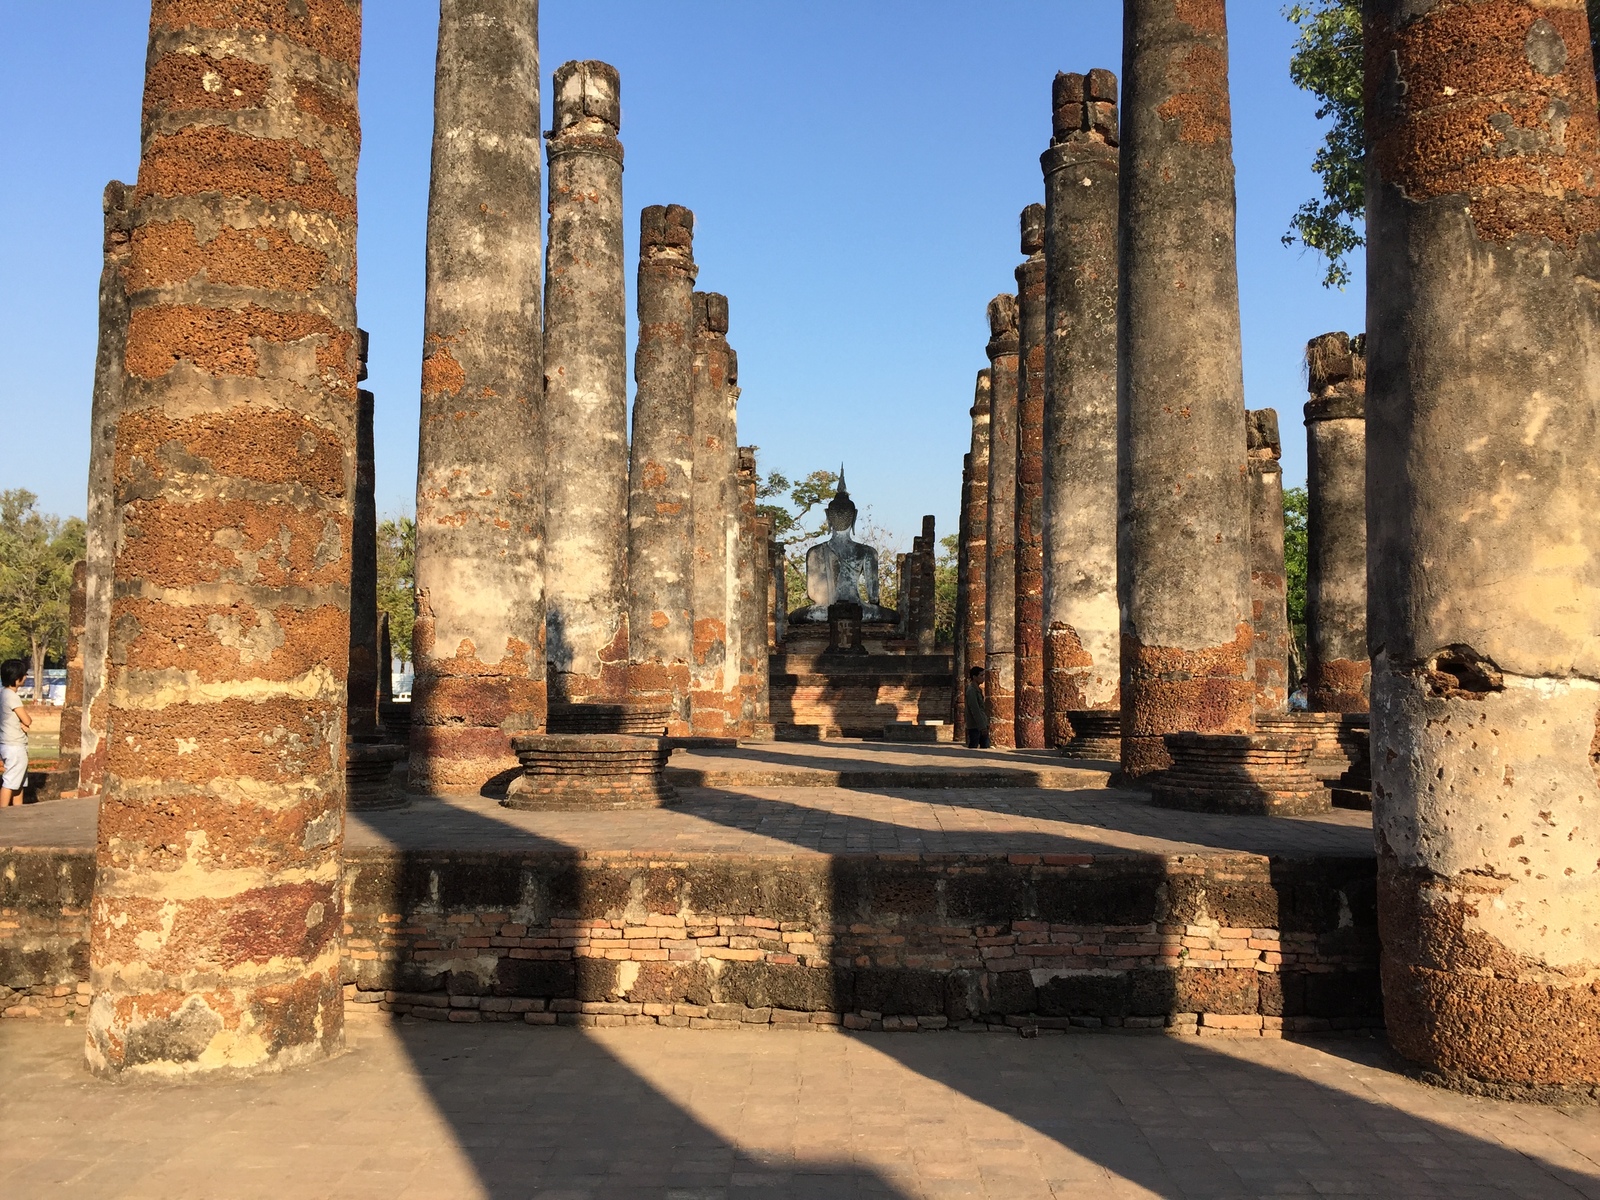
(1240, 774)
(1096, 733)
(641, 718)
(587, 772)
(369, 776)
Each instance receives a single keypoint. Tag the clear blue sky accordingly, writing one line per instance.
(856, 170)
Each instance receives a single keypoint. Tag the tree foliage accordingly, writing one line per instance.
(1327, 63)
(1296, 546)
(37, 551)
(397, 580)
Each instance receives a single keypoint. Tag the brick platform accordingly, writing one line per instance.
(888, 908)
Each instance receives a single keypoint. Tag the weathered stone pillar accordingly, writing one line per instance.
(755, 717)
(586, 392)
(1183, 521)
(1269, 591)
(1336, 490)
(712, 510)
(70, 753)
(959, 659)
(1001, 613)
(214, 927)
(927, 584)
(1484, 605)
(1030, 482)
(660, 469)
(975, 628)
(101, 534)
(1080, 402)
(361, 716)
(478, 645)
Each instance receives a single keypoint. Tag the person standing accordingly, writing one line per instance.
(14, 725)
(977, 711)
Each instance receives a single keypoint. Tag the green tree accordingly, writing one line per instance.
(1327, 63)
(397, 580)
(945, 579)
(37, 551)
(1296, 544)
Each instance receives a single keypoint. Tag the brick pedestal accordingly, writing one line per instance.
(1096, 733)
(577, 772)
(1244, 774)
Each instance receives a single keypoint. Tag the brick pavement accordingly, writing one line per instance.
(419, 1110)
(810, 820)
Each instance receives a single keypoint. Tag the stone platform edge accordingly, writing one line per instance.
(1221, 942)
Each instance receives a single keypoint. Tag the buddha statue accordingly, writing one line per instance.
(841, 570)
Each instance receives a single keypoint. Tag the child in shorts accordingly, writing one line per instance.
(14, 726)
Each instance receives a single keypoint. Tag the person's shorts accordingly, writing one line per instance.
(15, 759)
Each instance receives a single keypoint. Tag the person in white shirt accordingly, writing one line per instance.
(14, 725)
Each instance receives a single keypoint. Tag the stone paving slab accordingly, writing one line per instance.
(808, 820)
(423, 1110)
(863, 764)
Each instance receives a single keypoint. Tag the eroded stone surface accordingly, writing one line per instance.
(1000, 606)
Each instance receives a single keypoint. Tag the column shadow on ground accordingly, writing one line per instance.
(1176, 1118)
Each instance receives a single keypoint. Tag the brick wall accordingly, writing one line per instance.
(1226, 944)
(1213, 943)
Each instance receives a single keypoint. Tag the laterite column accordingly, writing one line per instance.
(712, 520)
(1336, 490)
(1183, 521)
(478, 645)
(1269, 591)
(586, 392)
(660, 468)
(1030, 482)
(1484, 608)
(215, 922)
(361, 717)
(958, 706)
(1000, 624)
(101, 533)
(975, 626)
(1082, 629)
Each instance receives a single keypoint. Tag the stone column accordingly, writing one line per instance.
(478, 645)
(1183, 521)
(215, 921)
(1269, 592)
(101, 534)
(361, 719)
(959, 660)
(660, 468)
(927, 585)
(755, 718)
(1336, 490)
(974, 630)
(1080, 402)
(71, 747)
(1030, 482)
(712, 514)
(586, 392)
(1484, 606)
(1001, 611)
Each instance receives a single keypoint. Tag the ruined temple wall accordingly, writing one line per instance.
(479, 640)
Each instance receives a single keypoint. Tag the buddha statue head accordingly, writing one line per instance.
(841, 509)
